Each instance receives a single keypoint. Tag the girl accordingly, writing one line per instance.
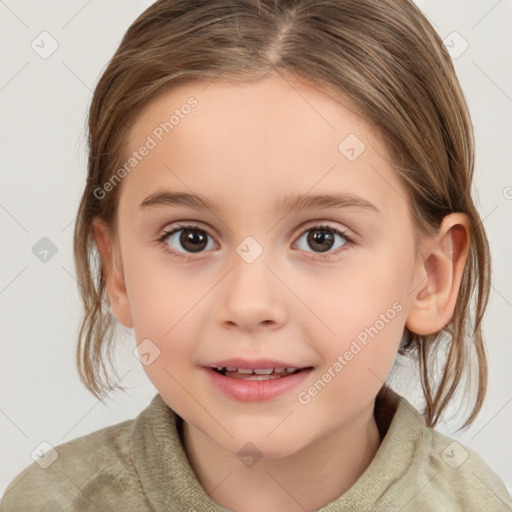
(280, 198)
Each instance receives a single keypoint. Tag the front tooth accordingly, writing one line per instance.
(244, 370)
(230, 369)
(267, 371)
(278, 370)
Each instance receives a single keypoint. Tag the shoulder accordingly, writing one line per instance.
(444, 474)
(82, 474)
(460, 470)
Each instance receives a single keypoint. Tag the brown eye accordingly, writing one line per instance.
(184, 240)
(322, 239)
(193, 240)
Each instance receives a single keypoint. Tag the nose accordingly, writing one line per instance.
(252, 296)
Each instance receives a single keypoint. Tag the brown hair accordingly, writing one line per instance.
(381, 54)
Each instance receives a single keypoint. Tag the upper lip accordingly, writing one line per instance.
(255, 364)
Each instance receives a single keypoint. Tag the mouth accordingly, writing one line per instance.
(250, 380)
(257, 374)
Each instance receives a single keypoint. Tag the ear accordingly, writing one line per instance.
(439, 270)
(113, 272)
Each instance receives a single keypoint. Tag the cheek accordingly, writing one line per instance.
(367, 287)
(159, 292)
(170, 334)
(164, 310)
(365, 310)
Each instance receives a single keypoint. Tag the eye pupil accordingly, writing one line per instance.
(195, 238)
(318, 236)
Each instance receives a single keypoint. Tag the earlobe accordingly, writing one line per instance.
(113, 272)
(438, 276)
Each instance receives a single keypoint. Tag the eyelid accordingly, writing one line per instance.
(326, 225)
(310, 225)
(184, 224)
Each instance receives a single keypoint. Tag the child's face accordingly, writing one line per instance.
(247, 147)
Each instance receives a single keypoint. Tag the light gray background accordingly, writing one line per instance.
(43, 168)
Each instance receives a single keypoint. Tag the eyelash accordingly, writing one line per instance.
(162, 240)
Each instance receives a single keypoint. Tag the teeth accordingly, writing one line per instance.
(257, 377)
(262, 371)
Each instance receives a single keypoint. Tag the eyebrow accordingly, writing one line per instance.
(289, 202)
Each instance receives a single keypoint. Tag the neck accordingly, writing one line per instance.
(305, 480)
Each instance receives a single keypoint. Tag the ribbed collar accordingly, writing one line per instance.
(169, 481)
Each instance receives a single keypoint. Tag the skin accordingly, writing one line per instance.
(248, 145)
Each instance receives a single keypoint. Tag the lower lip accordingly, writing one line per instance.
(256, 390)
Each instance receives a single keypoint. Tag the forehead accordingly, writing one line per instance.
(268, 106)
(268, 138)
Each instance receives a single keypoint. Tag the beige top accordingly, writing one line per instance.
(140, 465)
